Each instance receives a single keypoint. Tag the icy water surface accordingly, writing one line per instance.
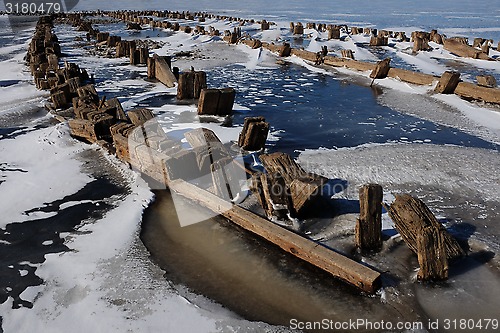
(311, 110)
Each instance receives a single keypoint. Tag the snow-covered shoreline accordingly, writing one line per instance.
(107, 283)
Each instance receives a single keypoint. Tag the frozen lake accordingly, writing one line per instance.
(71, 237)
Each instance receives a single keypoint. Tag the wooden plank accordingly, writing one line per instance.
(412, 77)
(349, 63)
(471, 91)
(464, 50)
(317, 254)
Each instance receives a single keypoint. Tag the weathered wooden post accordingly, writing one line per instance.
(447, 83)
(191, 84)
(381, 70)
(420, 44)
(478, 42)
(379, 41)
(411, 216)
(485, 48)
(486, 81)
(369, 223)
(264, 25)
(347, 54)
(298, 29)
(113, 40)
(143, 55)
(185, 86)
(285, 50)
(334, 32)
(435, 37)
(151, 68)
(431, 255)
(254, 133)
(226, 101)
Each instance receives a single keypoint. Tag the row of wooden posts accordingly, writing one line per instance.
(104, 122)
(485, 90)
(427, 237)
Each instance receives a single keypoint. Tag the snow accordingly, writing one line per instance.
(107, 282)
(45, 153)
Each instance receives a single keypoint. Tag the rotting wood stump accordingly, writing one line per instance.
(369, 224)
(381, 70)
(447, 83)
(216, 102)
(431, 255)
(190, 85)
(304, 187)
(253, 136)
(379, 41)
(411, 216)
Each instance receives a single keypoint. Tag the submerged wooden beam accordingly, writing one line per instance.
(318, 255)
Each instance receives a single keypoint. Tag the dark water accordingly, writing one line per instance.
(248, 275)
(25, 244)
(313, 110)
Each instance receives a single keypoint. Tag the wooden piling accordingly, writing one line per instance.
(381, 70)
(347, 54)
(411, 216)
(431, 255)
(447, 83)
(254, 133)
(369, 223)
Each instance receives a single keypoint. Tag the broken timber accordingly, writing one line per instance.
(411, 216)
(320, 256)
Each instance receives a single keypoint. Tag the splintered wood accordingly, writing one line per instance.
(254, 134)
(302, 187)
(411, 216)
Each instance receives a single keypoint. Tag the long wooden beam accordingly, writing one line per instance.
(315, 253)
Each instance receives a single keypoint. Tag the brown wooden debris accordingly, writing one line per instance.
(431, 255)
(217, 102)
(140, 116)
(254, 133)
(381, 70)
(464, 50)
(447, 83)
(163, 72)
(486, 81)
(369, 223)
(190, 85)
(347, 54)
(411, 216)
